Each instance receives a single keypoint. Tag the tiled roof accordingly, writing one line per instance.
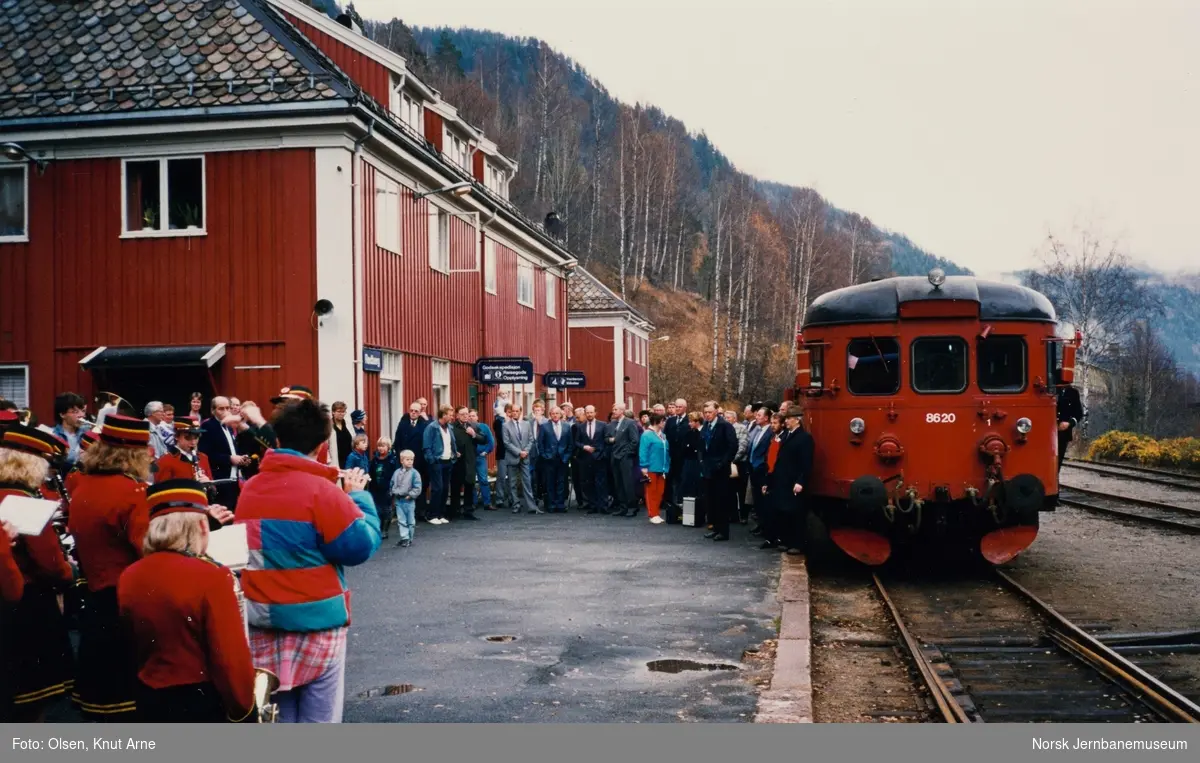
(586, 294)
(63, 58)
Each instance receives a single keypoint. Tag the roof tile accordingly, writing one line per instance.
(61, 58)
(586, 294)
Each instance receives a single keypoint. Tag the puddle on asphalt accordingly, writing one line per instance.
(500, 639)
(680, 666)
(390, 690)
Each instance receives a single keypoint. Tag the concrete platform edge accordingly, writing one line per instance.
(789, 700)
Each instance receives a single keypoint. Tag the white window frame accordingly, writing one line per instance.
(24, 236)
(440, 375)
(524, 267)
(392, 374)
(25, 369)
(489, 265)
(164, 199)
(439, 239)
(387, 215)
(551, 294)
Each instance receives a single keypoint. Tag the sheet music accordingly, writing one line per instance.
(28, 515)
(229, 546)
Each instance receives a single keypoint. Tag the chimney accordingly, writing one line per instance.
(351, 20)
(553, 225)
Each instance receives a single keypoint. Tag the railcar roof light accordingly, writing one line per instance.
(1024, 425)
(857, 426)
(937, 277)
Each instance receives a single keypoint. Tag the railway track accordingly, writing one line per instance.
(990, 651)
(1140, 473)
(1180, 518)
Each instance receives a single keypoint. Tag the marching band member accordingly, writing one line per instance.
(109, 518)
(185, 461)
(12, 582)
(189, 634)
(37, 663)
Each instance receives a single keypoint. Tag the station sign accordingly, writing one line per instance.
(372, 360)
(504, 371)
(564, 379)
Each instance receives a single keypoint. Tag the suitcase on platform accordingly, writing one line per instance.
(689, 512)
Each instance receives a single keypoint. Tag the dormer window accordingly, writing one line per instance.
(406, 107)
(496, 180)
(456, 150)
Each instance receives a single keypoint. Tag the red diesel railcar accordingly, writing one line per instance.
(933, 405)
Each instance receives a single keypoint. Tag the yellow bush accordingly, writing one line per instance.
(1182, 452)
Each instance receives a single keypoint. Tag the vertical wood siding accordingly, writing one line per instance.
(592, 352)
(250, 282)
(371, 76)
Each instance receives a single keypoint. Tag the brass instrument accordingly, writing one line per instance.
(265, 684)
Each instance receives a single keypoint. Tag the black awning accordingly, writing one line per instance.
(175, 356)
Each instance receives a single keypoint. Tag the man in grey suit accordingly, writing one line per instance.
(518, 456)
(623, 449)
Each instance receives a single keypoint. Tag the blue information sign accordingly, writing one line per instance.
(564, 379)
(504, 371)
(372, 360)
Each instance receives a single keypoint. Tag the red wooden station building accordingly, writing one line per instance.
(609, 341)
(232, 197)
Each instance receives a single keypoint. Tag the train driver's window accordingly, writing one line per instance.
(1001, 364)
(873, 366)
(939, 365)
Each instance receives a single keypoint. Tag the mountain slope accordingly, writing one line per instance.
(654, 205)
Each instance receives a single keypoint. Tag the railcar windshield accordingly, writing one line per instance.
(1002, 366)
(939, 365)
(873, 366)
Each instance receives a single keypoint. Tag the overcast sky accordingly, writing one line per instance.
(973, 128)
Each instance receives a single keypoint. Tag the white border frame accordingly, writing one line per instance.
(522, 262)
(165, 199)
(24, 237)
(24, 367)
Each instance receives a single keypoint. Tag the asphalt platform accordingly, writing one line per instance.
(554, 618)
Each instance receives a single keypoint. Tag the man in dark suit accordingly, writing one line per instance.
(758, 444)
(589, 438)
(410, 435)
(718, 447)
(554, 446)
(1070, 413)
(462, 476)
(788, 481)
(675, 429)
(622, 442)
(218, 443)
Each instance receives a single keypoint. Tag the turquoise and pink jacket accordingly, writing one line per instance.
(302, 529)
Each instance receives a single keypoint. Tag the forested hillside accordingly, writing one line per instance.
(647, 202)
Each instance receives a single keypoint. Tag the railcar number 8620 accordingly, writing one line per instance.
(939, 418)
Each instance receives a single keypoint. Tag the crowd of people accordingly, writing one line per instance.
(166, 634)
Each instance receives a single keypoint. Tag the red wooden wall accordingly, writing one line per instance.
(250, 282)
(638, 386)
(592, 352)
(371, 76)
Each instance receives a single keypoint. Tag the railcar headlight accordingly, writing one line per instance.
(1024, 425)
(937, 277)
(857, 426)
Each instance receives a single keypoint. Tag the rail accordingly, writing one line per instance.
(956, 700)
(1139, 473)
(1180, 518)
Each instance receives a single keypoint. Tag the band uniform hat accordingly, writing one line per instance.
(33, 441)
(175, 497)
(8, 419)
(88, 439)
(186, 426)
(125, 431)
(294, 392)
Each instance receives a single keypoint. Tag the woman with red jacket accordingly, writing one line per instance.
(192, 656)
(37, 664)
(108, 520)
